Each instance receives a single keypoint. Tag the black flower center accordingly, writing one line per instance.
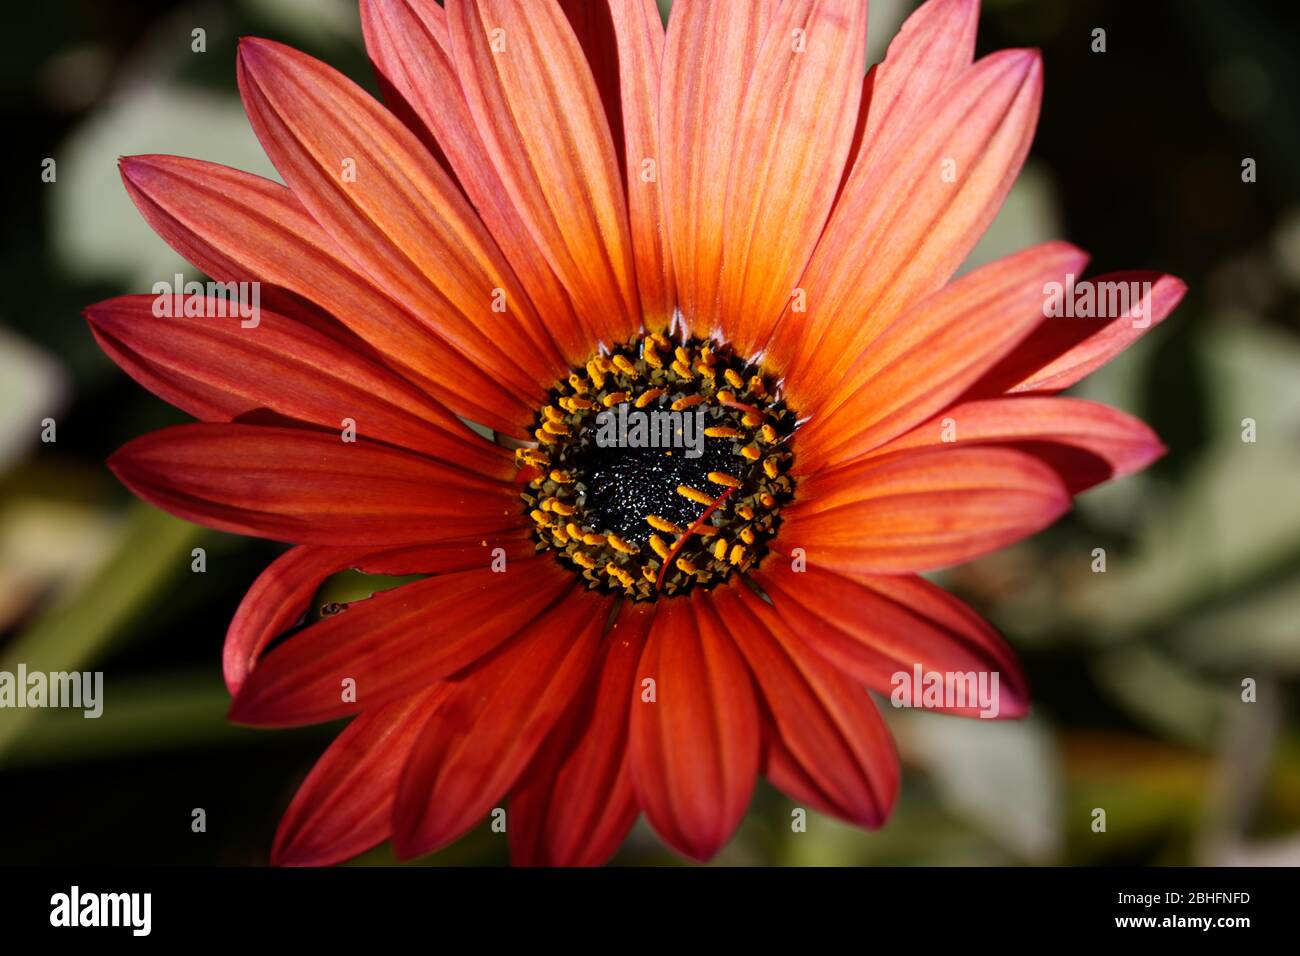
(659, 467)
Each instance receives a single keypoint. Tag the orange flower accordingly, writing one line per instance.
(569, 214)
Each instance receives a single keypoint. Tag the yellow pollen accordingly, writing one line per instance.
(624, 365)
(737, 554)
(556, 428)
(585, 560)
(768, 434)
(692, 495)
(722, 431)
(597, 376)
(722, 478)
(618, 544)
(560, 508)
(593, 539)
(541, 517)
(615, 398)
(684, 565)
(646, 397)
(770, 467)
(750, 420)
(659, 524)
(561, 477)
(553, 413)
(720, 549)
(751, 452)
(734, 379)
(690, 401)
(683, 371)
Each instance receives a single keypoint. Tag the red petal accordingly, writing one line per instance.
(793, 137)
(1062, 350)
(898, 234)
(932, 353)
(875, 626)
(922, 511)
(495, 717)
(828, 731)
(218, 370)
(396, 642)
(709, 54)
(282, 593)
(1085, 442)
(344, 807)
(576, 804)
(398, 214)
(695, 748)
(639, 34)
(238, 227)
(544, 127)
(309, 487)
(408, 42)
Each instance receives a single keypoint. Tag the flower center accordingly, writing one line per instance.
(659, 467)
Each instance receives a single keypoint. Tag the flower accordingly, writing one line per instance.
(568, 213)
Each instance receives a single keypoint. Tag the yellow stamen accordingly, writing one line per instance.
(720, 549)
(768, 434)
(659, 524)
(683, 371)
(734, 379)
(689, 401)
(684, 564)
(722, 431)
(722, 478)
(660, 546)
(737, 554)
(646, 397)
(751, 452)
(597, 376)
(561, 477)
(624, 365)
(555, 428)
(771, 468)
(615, 398)
(618, 544)
(692, 495)
(585, 560)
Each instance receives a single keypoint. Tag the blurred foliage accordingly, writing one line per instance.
(1136, 672)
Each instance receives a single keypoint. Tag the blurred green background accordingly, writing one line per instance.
(1136, 672)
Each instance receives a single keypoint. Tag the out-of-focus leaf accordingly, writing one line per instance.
(33, 386)
(1171, 701)
(161, 713)
(77, 631)
(97, 232)
(1002, 776)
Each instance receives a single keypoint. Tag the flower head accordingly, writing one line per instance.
(568, 225)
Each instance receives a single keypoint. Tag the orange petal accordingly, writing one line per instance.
(344, 807)
(532, 95)
(875, 626)
(709, 54)
(932, 353)
(921, 511)
(795, 129)
(832, 749)
(373, 186)
(238, 227)
(1064, 349)
(576, 803)
(1107, 442)
(310, 487)
(397, 643)
(695, 748)
(899, 234)
(283, 592)
(480, 739)
(640, 38)
(218, 370)
(409, 45)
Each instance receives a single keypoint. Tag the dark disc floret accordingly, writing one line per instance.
(659, 467)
